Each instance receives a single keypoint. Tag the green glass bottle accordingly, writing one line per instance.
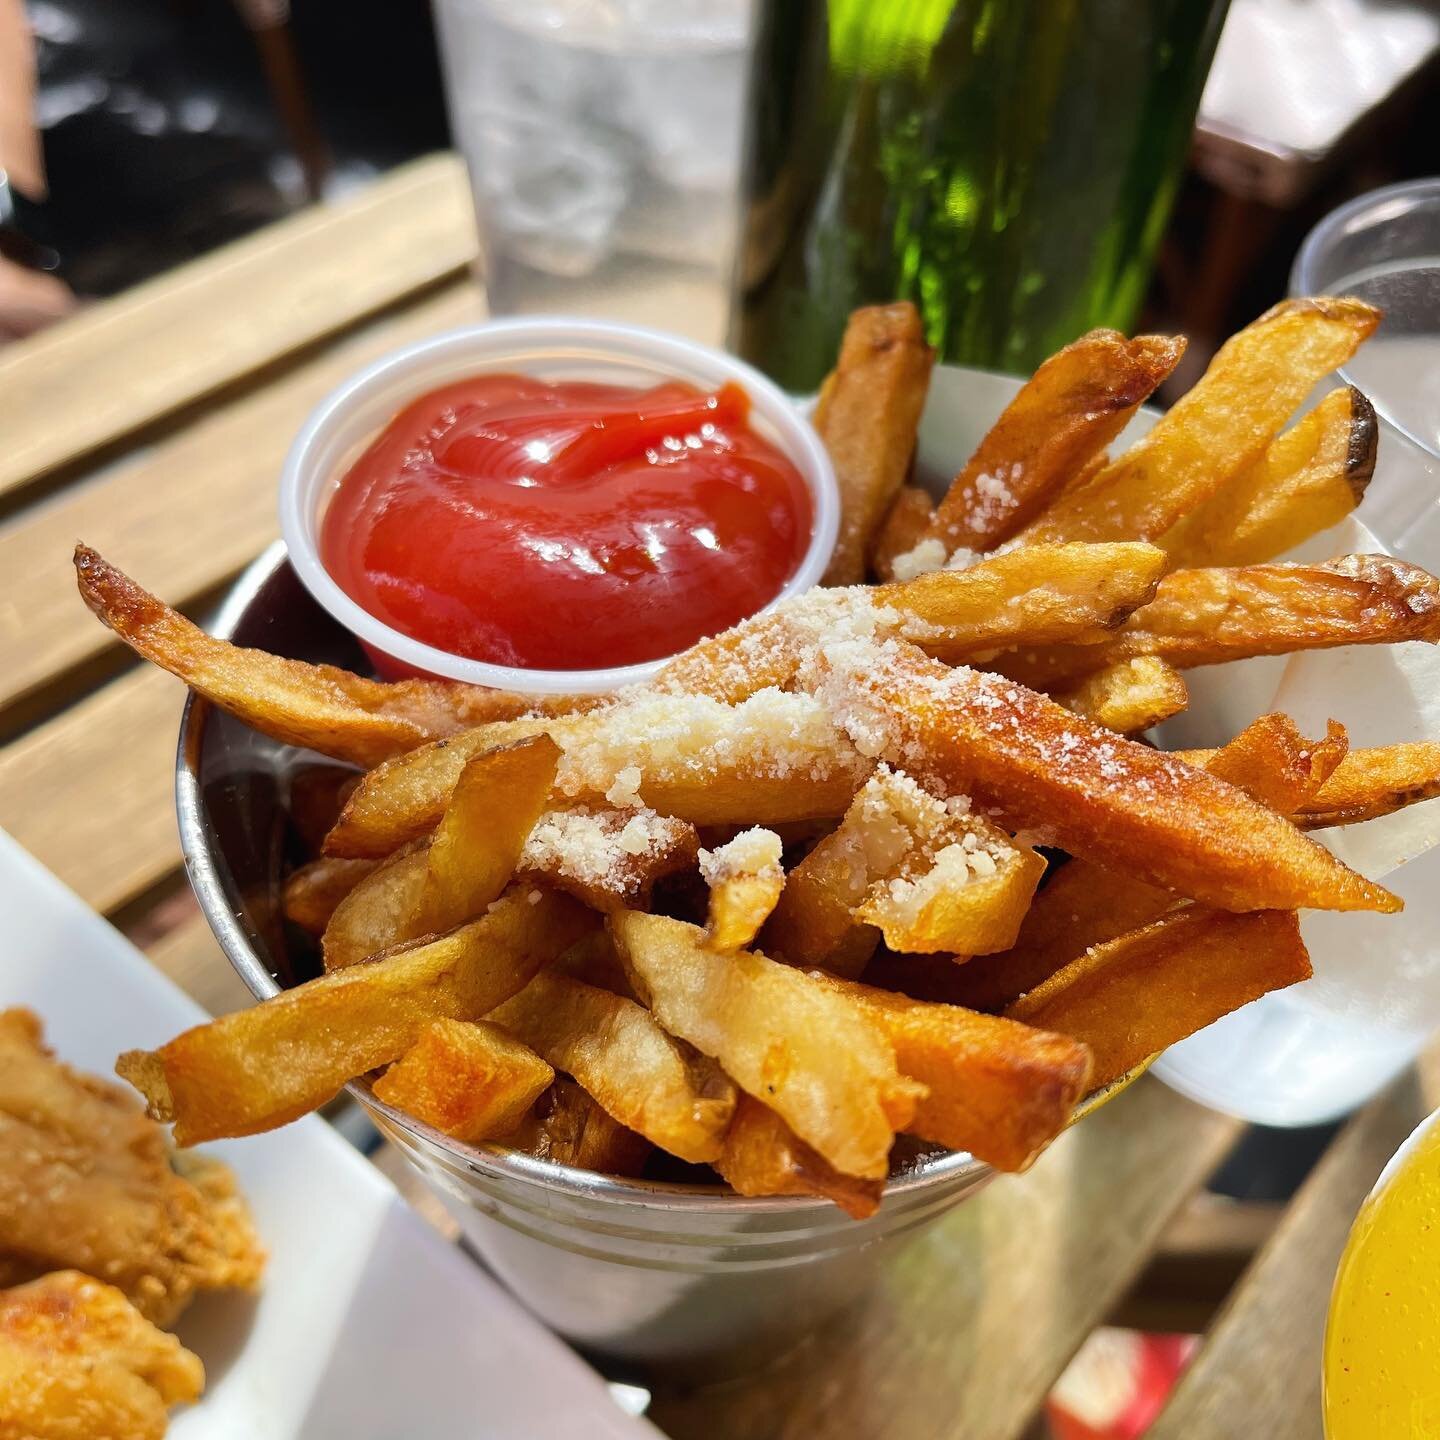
(1008, 165)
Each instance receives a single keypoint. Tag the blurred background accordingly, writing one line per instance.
(1022, 169)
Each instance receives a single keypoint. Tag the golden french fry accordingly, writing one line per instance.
(1128, 696)
(1040, 596)
(1369, 783)
(1151, 987)
(1000, 1090)
(779, 1034)
(1206, 617)
(312, 894)
(1070, 409)
(903, 528)
(813, 924)
(607, 857)
(1102, 797)
(868, 415)
(1217, 430)
(1086, 904)
(640, 1075)
(259, 1068)
(762, 1155)
(745, 881)
(1308, 479)
(492, 810)
(774, 757)
(379, 912)
(467, 1079)
(567, 1127)
(318, 707)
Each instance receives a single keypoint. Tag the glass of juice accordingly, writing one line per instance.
(1008, 165)
(1381, 1375)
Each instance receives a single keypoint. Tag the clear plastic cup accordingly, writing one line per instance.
(548, 348)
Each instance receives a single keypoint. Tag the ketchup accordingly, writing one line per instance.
(567, 526)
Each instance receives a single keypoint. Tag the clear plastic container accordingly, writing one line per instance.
(550, 348)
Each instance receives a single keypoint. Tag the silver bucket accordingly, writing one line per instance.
(691, 1279)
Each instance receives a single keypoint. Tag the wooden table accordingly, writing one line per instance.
(152, 426)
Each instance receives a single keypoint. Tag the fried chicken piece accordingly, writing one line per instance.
(88, 1183)
(78, 1361)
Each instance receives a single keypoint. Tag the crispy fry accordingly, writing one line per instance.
(262, 1067)
(642, 1076)
(1103, 797)
(813, 924)
(607, 857)
(1086, 904)
(1217, 430)
(868, 414)
(492, 810)
(379, 911)
(314, 706)
(771, 758)
(313, 893)
(1308, 479)
(1000, 1091)
(1206, 617)
(467, 1079)
(745, 881)
(1128, 696)
(567, 1127)
(1040, 596)
(1151, 987)
(779, 1034)
(1365, 785)
(1073, 406)
(904, 527)
(762, 1155)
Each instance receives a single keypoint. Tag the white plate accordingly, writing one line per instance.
(370, 1326)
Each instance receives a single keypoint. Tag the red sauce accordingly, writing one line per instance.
(567, 526)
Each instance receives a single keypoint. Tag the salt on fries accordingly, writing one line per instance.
(687, 915)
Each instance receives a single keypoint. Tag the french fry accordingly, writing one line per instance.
(312, 894)
(607, 857)
(467, 1079)
(771, 758)
(779, 1034)
(492, 810)
(1151, 987)
(379, 912)
(318, 707)
(745, 881)
(868, 415)
(1128, 696)
(1001, 1091)
(1086, 904)
(1073, 406)
(1103, 797)
(567, 1127)
(1308, 479)
(813, 924)
(762, 1155)
(1040, 596)
(1209, 616)
(1365, 785)
(643, 1077)
(1217, 430)
(903, 528)
(259, 1068)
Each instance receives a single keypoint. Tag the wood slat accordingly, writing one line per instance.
(184, 516)
(1258, 1372)
(124, 362)
(977, 1317)
(90, 793)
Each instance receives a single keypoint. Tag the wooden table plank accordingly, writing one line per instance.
(121, 363)
(1258, 1372)
(90, 793)
(976, 1319)
(184, 516)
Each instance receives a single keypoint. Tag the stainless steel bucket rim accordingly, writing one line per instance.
(493, 1160)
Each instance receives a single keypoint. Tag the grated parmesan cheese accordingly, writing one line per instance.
(755, 851)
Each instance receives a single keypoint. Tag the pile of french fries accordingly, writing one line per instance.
(788, 901)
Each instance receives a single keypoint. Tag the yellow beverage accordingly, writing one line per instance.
(1382, 1343)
